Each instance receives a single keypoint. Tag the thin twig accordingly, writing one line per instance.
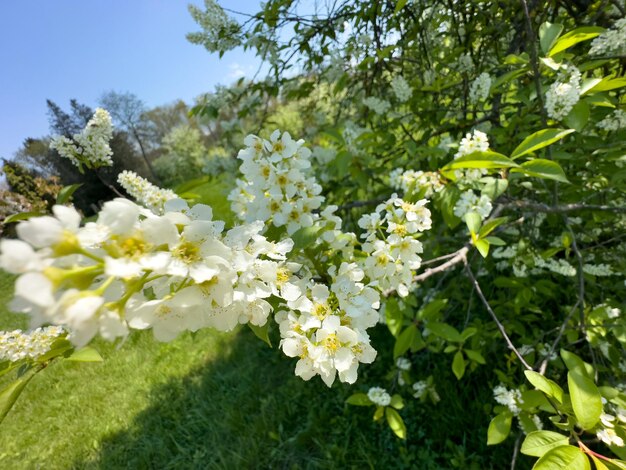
(495, 317)
(544, 364)
(562, 208)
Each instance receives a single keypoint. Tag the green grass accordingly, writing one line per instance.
(215, 400)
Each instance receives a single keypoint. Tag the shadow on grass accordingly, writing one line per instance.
(246, 409)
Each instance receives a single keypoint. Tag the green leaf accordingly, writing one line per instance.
(548, 34)
(304, 237)
(609, 84)
(491, 225)
(445, 331)
(430, 311)
(482, 246)
(588, 85)
(499, 428)
(475, 356)
(66, 193)
(395, 423)
(10, 394)
(261, 332)
(574, 37)
(396, 402)
(481, 160)
(379, 413)
(539, 140)
(578, 117)
(399, 6)
(586, 399)
(538, 443)
(598, 463)
(86, 354)
(494, 187)
(393, 316)
(547, 386)
(563, 458)
(541, 168)
(21, 216)
(575, 363)
(473, 221)
(496, 241)
(458, 365)
(413, 338)
(359, 399)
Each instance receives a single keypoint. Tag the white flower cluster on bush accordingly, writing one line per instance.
(90, 147)
(479, 89)
(326, 327)
(564, 93)
(17, 345)
(423, 182)
(144, 192)
(377, 105)
(401, 88)
(612, 41)
(219, 30)
(512, 399)
(391, 245)
(475, 141)
(470, 202)
(614, 121)
(276, 187)
(379, 396)
(132, 268)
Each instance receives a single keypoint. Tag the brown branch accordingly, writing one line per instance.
(535, 206)
(494, 316)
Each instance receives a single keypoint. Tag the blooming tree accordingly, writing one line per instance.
(444, 154)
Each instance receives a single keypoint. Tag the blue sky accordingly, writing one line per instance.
(62, 49)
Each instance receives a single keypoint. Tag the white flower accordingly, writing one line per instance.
(403, 363)
(473, 142)
(610, 42)
(144, 192)
(614, 121)
(610, 437)
(90, 147)
(564, 93)
(401, 88)
(509, 398)
(379, 396)
(479, 89)
(377, 105)
(470, 202)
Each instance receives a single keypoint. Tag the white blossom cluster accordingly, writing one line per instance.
(377, 105)
(17, 345)
(512, 399)
(144, 192)
(326, 327)
(470, 202)
(132, 268)
(564, 93)
(401, 88)
(598, 269)
(479, 89)
(533, 260)
(427, 182)
(465, 63)
(609, 422)
(614, 121)
(612, 41)
(475, 141)
(276, 187)
(90, 147)
(391, 245)
(219, 31)
(379, 396)
(403, 363)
